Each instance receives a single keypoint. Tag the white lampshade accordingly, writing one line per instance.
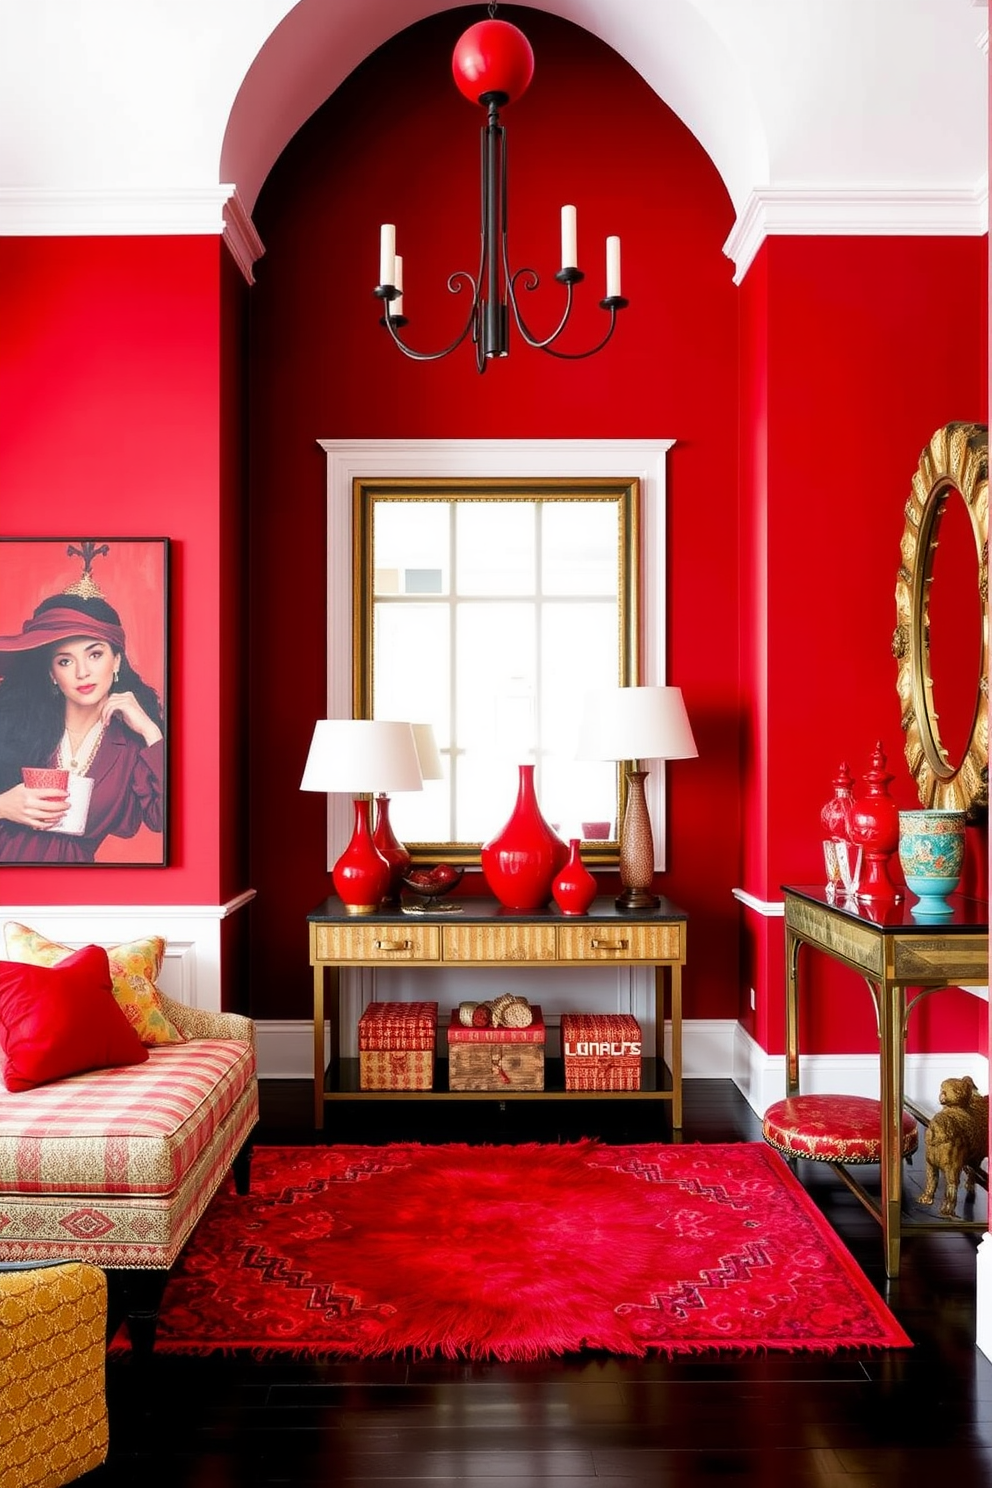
(361, 754)
(427, 751)
(635, 723)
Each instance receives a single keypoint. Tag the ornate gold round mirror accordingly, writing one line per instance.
(941, 638)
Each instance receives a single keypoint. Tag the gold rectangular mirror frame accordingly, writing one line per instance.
(621, 497)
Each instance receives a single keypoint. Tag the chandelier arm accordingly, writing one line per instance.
(522, 327)
(391, 321)
(578, 356)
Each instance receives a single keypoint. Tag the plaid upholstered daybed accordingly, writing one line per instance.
(116, 1166)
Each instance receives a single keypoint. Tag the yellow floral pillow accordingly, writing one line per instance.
(134, 969)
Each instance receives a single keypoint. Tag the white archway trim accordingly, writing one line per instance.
(348, 460)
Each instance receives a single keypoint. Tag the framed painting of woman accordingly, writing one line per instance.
(83, 718)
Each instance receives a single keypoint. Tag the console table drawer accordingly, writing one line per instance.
(376, 943)
(632, 942)
(484, 944)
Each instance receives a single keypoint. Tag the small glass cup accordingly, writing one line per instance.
(830, 863)
(849, 866)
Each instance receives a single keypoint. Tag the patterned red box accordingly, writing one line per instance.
(396, 1046)
(602, 1051)
(398, 1025)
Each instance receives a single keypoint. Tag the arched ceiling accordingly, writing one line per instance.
(110, 105)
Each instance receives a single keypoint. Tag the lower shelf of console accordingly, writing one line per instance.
(342, 1084)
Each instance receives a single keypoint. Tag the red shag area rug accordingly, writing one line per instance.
(518, 1252)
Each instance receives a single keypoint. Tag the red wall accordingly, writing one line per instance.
(112, 425)
(859, 348)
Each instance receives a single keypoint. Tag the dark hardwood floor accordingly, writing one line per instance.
(858, 1419)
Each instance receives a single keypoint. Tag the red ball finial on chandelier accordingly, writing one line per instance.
(492, 59)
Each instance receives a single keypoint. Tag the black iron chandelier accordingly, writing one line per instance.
(493, 64)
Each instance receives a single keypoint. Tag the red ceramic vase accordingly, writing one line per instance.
(361, 873)
(392, 849)
(875, 829)
(520, 863)
(574, 888)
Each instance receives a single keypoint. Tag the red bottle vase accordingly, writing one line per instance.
(574, 888)
(361, 873)
(521, 862)
(392, 849)
(875, 829)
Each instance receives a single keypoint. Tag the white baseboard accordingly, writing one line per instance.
(761, 1077)
(712, 1049)
(285, 1048)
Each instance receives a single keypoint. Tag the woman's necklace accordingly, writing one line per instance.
(76, 751)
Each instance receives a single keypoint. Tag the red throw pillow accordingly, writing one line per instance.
(61, 1020)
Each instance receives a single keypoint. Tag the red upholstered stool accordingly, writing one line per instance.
(832, 1128)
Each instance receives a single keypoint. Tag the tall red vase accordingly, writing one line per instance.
(520, 863)
(875, 829)
(361, 873)
(392, 850)
(574, 888)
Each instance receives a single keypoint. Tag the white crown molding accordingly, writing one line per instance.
(773, 211)
(27, 212)
(112, 211)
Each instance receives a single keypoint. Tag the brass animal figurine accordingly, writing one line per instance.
(957, 1140)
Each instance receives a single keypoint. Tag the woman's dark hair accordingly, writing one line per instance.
(32, 711)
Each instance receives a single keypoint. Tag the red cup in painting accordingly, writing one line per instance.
(38, 778)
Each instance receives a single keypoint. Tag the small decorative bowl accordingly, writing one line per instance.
(432, 884)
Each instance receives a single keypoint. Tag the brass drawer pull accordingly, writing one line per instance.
(610, 945)
(392, 945)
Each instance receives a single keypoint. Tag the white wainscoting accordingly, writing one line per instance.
(761, 1077)
(191, 970)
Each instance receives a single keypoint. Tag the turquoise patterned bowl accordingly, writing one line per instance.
(931, 851)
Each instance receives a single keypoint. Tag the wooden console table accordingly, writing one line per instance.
(893, 952)
(482, 933)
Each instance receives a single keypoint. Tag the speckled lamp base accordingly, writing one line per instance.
(636, 849)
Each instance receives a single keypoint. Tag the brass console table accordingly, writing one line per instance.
(482, 933)
(893, 952)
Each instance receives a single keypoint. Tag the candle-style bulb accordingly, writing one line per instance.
(613, 268)
(387, 253)
(569, 237)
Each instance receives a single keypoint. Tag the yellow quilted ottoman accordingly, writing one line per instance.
(53, 1421)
